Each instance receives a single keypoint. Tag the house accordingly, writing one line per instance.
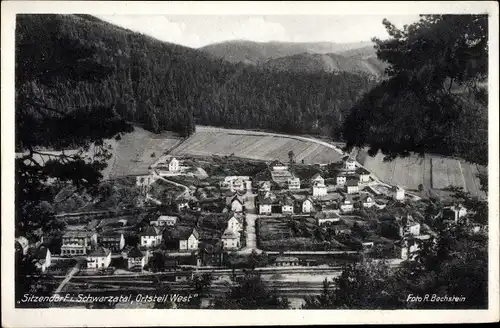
(189, 240)
(341, 229)
(347, 205)
(114, 241)
(352, 186)
(181, 204)
(287, 205)
(165, 221)
(264, 186)
(454, 212)
(136, 259)
(364, 175)
(307, 205)
(278, 166)
(235, 223)
(265, 205)
(151, 237)
(237, 183)
(319, 189)
(367, 201)
(317, 178)
(409, 227)
(99, 259)
(327, 218)
(368, 245)
(77, 242)
(210, 255)
(341, 179)
(43, 258)
(294, 183)
(399, 193)
(230, 239)
(235, 202)
(173, 165)
(286, 261)
(22, 244)
(412, 245)
(350, 164)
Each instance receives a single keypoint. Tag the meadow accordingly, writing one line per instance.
(436, 173)
(255, 145)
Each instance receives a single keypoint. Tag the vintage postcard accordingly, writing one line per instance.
(283, 163)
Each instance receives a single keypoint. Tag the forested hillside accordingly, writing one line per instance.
(307, 63)
(169, 87)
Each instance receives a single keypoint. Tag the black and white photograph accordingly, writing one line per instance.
(288, 161)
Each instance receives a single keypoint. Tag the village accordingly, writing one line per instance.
(284, 215)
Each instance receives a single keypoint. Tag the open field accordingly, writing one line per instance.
(255, 145)
(432, 171)
(133, 154)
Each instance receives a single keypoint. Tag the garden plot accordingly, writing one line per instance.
(446, 172)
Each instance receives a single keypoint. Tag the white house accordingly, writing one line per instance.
(235, 223)
(99, 259)
(364, 177)
(307, 205)
(165, 220)
(236, 203)
(409, 226)
(399, 193)
(347, 205)
(323, 218)
(44, 258)
(151, 237)
(173, 165)
(278, 166)
(350, 164)
(319, 189)
(230, 239)
(287, 206)
(265, 205)
(293, 183)
(341, 179)
(352, 186)
(459, 211)
(136, 259)
(265, 186)
(189, 240)
(317, 178)
(367, 201)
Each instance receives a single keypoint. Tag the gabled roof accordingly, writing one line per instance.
(150, 231)
(229, 234)
(135, 252)
(78, 234)
(309, 199)
(317, 175)
(236, 197)
(167, 217)
(99, 252)
(265, 201)
(41, 252)
(287, 201)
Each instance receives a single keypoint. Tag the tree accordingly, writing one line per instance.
(433, 99)
(43, 69)
(251, 293)
(291, 157)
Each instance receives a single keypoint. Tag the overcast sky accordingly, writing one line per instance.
(197, 31)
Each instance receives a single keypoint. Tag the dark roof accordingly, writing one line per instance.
(316, 176)
(265, 201)
(41, 253)
(351, 182)
(135, 252)
(362, 170)
(100, 251)
(150, 231)
(287, 201)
